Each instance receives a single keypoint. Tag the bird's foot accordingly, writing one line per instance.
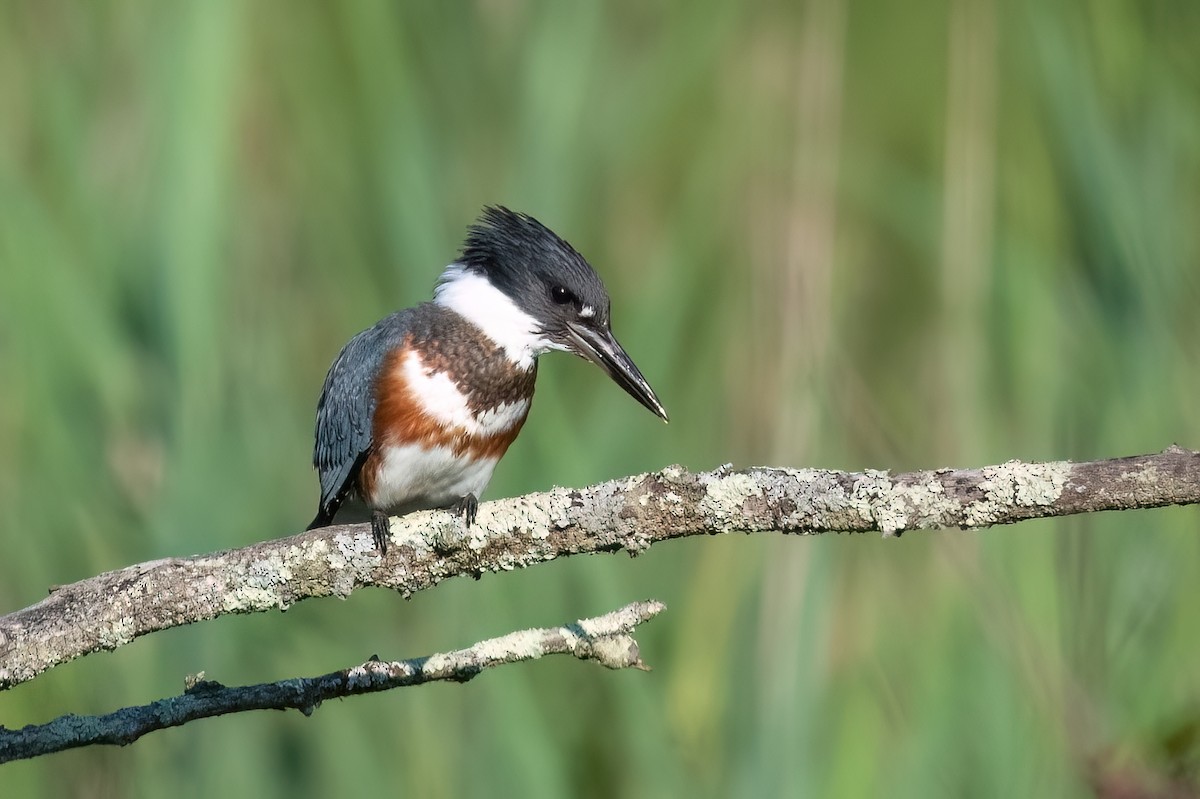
(450, 537)
(466, 508)
(381, 530)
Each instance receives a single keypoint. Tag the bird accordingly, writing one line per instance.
(416, 411)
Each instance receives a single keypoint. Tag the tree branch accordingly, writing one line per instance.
(605, 639)
(629, 514)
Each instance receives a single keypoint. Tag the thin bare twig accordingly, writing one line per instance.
(605, 639)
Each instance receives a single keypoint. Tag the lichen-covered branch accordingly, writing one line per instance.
(606, 639)
(628, 515)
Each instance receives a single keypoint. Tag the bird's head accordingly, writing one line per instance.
(530, 291)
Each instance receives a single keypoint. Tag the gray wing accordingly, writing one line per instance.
(346, 410)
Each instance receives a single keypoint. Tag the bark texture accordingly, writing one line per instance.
(628, 514)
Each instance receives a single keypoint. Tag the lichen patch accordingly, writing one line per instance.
(1016, 484)
(724, 495)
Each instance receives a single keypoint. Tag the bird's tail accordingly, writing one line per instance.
(323, 519)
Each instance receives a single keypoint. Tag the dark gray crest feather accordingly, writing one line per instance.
(524, 259)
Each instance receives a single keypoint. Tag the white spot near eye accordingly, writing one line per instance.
(587, 312)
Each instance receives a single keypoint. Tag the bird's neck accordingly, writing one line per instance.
(473, 297)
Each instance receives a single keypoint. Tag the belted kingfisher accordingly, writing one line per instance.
(416, 411)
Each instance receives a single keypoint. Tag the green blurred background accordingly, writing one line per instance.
(888, 235)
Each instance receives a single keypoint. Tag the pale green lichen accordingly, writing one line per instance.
(1148, 476)
(615, 651)
(316, 549)
(560, 504)
(806, 476)
(673, 472)
(520, 645)
(351, 560)
(724, 495)
(376, 672)
(870, 499)
(531, 515)
(1039, 484)
(1016, 484)
(268, 572)
(336, 557)
(349, 552)
(671, 503)
(637, 542)
(412, 531)
(622, 486)
(915, 505)
(119, 633)
(812, 495)
(251, 598)
(260, 589)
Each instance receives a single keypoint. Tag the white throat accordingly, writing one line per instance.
(473, 297)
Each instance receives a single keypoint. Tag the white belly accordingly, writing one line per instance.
(413, 478)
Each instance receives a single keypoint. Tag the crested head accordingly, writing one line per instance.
(530, 291)
(521, 284)
(533, 265)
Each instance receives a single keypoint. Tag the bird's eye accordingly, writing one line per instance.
(561, 295)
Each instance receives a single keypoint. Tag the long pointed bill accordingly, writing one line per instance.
(602, 349)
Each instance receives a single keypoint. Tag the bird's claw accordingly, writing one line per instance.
(381, 530)
(467, 508)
